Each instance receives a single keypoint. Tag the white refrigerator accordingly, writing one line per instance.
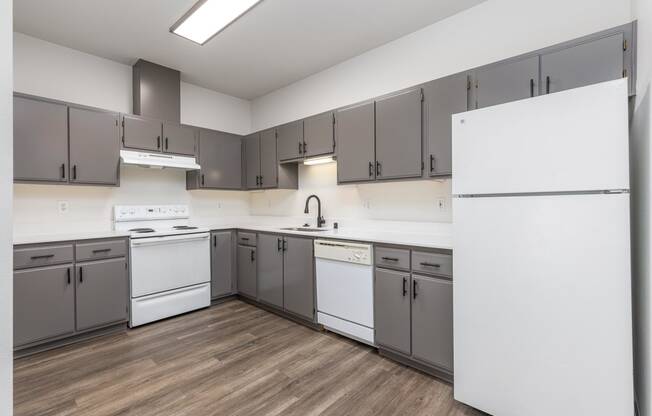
(542, 289)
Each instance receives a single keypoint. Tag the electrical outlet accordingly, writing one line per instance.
(441, 204)
(63, 207)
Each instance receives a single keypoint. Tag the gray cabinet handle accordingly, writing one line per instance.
(261, 180)
(430, 264)
(389, 258)
(68, 274)
(101, 250)
(305, 148)
(257, 180)
(414, 289)
(531, 87)
(44, 256)
(547, 84)
(244, 238)
(404, 286)
(81, 274)
(285, 245)
(378, 167)
(253, 256)
(202, 180)
(166, 144)
(279, 244)
(158, 142)
(63, 171)
(371, 169)
(432, 163)
(300, 150)
(74, 171)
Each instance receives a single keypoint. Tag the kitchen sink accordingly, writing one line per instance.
(310, 229)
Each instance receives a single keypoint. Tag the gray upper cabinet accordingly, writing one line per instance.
(432, 321)
(101, 297)
(290, 140)
(179, 139)
(141, 133)
(298, 277)
(443, 98)
(318, 135)
(506, 81)
(252, 160)
(356, 148)
(44, 303)
(220, 158)
(40, 140)
(247, 271)
(270, 269)
(392, 309)
(94, 146)
(583, 64)
(222, 263)
(269, 170)
(399, 136)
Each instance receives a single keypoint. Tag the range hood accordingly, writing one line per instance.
(158, 160)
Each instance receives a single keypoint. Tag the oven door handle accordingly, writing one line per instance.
(171, 239)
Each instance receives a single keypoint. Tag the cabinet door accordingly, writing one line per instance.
(141, 133)
(356, 143)
(222, 266)
(298, 277)
(443, 98)
(392, 309)
(179, 139)
(432, 321)
(101, 293)
(398, 136)
(40, 140)
(44, 303)
(584, 64)
(209, 155)
(252, 160)
(270, 269)
(268, 160)
(290, 140)
(318, 135)
(94, 146)
(505, 82)
(226, 161)
(247, 271)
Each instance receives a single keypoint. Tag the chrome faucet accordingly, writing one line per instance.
(320, 220)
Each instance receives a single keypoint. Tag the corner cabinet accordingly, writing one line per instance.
(220, 158)
(55, 142)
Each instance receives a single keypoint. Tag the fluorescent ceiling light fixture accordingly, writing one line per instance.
(207, 18)
(319, 160)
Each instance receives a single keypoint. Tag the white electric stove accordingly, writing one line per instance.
(170, 261)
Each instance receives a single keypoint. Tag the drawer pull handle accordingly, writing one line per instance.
(44, 256)
(101, 250)
(244, 238)
(404, 287)
(389, 258)
(430, 264)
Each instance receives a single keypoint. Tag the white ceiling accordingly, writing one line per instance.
(275, 44)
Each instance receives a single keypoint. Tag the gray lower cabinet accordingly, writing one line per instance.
(356, 143)
(399, 135)
(179, 139)
(583, 64)
(101, 296)
(247, 271)
(141, 133)
(223, 266)
(40, 140)
(290, 140)
(251, 146)
(269, 169)
(298, 277)
(318, 136)
(392, 309)
(44, 303)
(432, 320)
(443, 98)
(220, 158)
(94, 146)
(506, 81)
(270, 269)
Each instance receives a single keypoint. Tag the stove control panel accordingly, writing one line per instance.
(124, 213)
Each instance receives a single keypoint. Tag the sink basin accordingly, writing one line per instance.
(310, 229)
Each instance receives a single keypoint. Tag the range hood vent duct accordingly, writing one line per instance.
(156, 91)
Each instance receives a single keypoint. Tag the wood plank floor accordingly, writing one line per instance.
(231, 359)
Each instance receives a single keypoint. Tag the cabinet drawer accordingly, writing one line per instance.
(42, 256)
(247, 239)
(432, 263)
(101, 250)
(393, 258)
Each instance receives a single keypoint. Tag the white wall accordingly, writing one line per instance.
(6, 174)
(641, 154)
(491, 31)
(407, 201)
(45, 69)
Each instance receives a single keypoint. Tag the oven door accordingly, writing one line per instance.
(159, 264)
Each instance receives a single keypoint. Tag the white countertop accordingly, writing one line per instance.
(419, 234)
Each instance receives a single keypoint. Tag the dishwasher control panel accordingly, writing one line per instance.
(344, 251)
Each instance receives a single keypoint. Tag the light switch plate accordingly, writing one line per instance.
(441, 204)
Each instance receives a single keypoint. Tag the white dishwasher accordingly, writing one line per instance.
(345, 288)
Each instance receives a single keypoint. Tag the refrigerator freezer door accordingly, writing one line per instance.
(575, 140)
(542, 305)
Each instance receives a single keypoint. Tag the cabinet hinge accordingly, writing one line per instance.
(625, 44)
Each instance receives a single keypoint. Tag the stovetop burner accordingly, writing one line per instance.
(184, 227)
(142, 230)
